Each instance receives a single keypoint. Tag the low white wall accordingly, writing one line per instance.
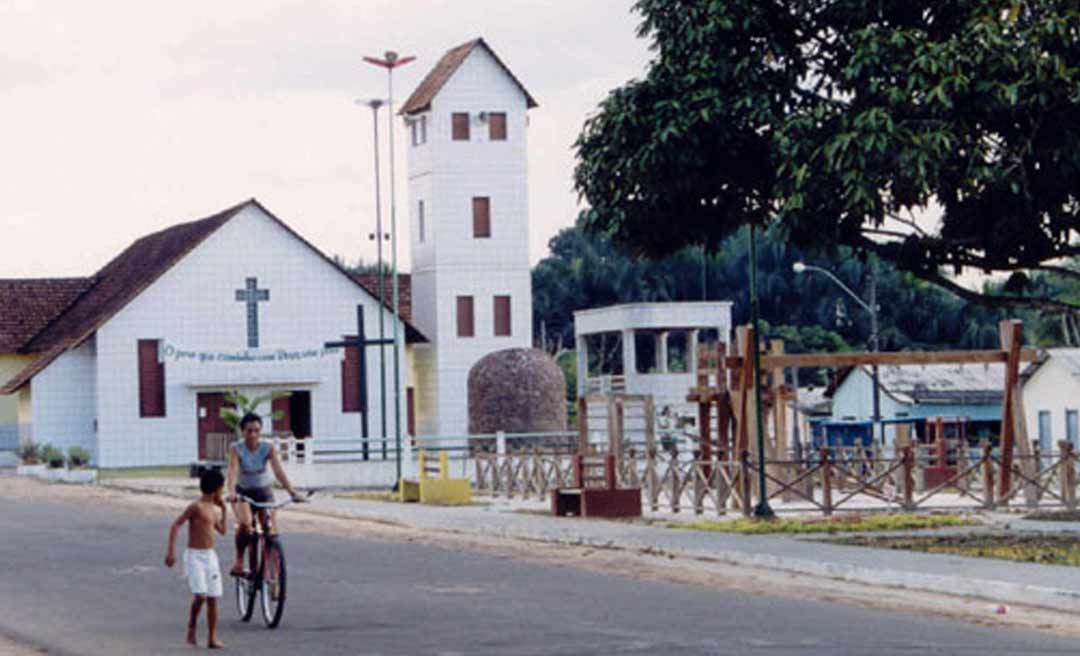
(368, 474)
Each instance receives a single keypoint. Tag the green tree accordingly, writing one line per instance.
(843, 121)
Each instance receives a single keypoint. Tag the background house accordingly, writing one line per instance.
(910, 394)
(1051, 394)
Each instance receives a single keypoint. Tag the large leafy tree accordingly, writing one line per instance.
(937, 135)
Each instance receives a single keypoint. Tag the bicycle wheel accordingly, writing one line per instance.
(273, 583)
(248, 585)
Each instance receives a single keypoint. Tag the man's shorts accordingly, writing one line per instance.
(203, 572)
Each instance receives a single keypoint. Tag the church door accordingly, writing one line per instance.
(209, 406)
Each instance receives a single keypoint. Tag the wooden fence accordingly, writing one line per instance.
(829, 480)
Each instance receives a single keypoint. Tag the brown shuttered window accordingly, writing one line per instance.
(497, 126)
(460, 126)
(481, 217)
(465, 325)
(151, 380)
(502, 316)
(350, 380)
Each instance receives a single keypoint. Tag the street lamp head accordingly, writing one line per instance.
(798, 267)
(390, 57)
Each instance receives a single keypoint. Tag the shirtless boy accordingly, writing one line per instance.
(200, 559)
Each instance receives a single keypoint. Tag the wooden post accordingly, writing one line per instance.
(744, 482)
(723, 405)
(744, 338)
(1067, 475)
(704, 406)
(582, 424)
(987, 474)
(609, 471)
(909, 477)
(612, 422)
(579, 470)
(650, 425)
(826, 481)
(1009, 336)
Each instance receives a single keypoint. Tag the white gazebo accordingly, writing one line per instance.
(659, 344)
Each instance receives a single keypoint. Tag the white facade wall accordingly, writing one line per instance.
(447, 175)
(64, 403)
(1052, 388)
(193, 305)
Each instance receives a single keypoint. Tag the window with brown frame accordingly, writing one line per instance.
(460, 126)
(481, 217)
(497, 126)
(502, 316)
(151, 379)
(465, 324)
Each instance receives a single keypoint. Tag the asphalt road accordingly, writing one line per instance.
(90, 580)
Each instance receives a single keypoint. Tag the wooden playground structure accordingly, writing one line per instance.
(720, 471)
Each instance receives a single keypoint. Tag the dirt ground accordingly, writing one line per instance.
(641, 565)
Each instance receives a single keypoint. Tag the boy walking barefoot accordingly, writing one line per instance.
(200, 560)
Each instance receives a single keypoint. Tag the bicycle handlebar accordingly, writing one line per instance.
(272, 505)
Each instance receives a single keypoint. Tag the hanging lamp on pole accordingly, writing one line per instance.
(390, 61)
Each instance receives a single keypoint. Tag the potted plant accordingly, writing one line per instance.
(53, 457)
(78, 460)
(29, 459)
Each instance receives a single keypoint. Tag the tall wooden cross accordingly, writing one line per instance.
(361, 342)
(251, 295)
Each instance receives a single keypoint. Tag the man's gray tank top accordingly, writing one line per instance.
(254, 470)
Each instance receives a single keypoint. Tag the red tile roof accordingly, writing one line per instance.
(445, 68)
(125, 277)
(370, 282)
(27, 305)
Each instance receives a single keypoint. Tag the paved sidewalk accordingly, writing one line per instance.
(997, 581)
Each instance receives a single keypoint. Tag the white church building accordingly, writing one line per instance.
(133, 362)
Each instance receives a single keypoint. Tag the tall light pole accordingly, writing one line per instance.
(390, 61)
(762, 510)
(872, 308)
(375, 104)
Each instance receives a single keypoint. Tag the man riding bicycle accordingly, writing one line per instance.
(250, 477)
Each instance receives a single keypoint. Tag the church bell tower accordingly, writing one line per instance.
(469, 225)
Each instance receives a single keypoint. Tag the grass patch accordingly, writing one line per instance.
(845, 524)
(144, 472)
(370, 496)
(1055, 516)
(1025, 548)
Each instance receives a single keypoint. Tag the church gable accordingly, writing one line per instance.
(191, 255)
(447, 68)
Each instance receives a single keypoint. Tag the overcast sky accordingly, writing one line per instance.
(121, 118)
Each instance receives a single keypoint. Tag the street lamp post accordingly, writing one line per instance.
(390, 61)
(762, 510)
(375, 104)
(872, 308)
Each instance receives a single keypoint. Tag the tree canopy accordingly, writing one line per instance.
(850, 123)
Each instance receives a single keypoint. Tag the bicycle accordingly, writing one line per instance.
(266, 576)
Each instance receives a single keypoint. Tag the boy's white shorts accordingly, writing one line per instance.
(203, 572)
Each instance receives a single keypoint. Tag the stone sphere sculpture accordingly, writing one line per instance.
(516, 390)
